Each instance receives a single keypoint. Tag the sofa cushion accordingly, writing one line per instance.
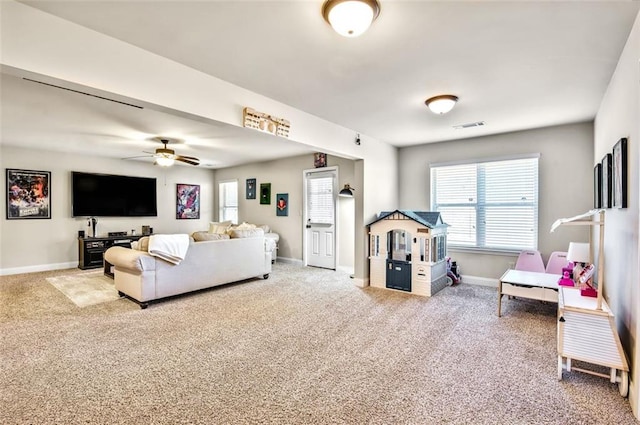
(246, 233)
(141, 244)
(219, 227)
(206, 236)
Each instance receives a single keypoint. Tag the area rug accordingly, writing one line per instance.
(86, 289)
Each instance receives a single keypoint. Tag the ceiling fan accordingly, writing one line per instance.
(166, 157)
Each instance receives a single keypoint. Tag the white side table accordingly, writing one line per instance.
(588, 334)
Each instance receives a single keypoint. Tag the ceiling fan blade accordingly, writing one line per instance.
(138, 156)
(187, 161)
(193, 158)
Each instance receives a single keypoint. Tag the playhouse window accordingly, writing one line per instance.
(375, 245)
(438, 248)
(424, 243)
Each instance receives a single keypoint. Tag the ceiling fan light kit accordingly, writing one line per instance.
(350, 18)
(265, 122)
(441, 104)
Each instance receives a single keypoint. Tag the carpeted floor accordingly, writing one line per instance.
(304, 347)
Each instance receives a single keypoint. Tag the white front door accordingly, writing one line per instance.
(320, 218)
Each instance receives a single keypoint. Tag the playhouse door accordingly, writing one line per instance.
(320, 227)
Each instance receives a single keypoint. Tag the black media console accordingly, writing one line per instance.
(91, 250)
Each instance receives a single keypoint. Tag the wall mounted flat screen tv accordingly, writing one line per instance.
(108, 195)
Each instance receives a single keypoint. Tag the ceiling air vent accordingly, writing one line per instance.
(469, 125)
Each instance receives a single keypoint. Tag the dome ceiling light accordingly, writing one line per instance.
(441, 104)
(350, 18)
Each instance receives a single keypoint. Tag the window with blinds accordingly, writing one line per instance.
(228, 201)
(320, 200)
(489, 205)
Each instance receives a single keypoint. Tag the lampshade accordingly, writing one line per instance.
(347, 191)
(441, 104)
(350, 18)
(578, 252)
(164, 161)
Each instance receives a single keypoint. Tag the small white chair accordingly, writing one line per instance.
(530, 260)
(557, 261)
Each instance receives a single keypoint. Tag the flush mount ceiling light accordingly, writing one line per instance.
(441, 104)
(350, 18)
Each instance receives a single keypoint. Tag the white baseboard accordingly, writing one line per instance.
(293, 261)
(361, 283)
(481, 281)
(345, 269)
(38, 268)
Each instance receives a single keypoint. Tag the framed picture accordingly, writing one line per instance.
(606, 181)
(187, 201)
(265, 193)
(282, 204)
(620, 174)
(251, 189)
(597, 186)
(28, 194)
(319, 159)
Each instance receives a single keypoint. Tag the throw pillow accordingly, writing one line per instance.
(264, 227)
(246, 233)
(143, 244)
(206, 236)
(220, 228)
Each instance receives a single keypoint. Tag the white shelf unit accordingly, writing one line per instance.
(586, 326)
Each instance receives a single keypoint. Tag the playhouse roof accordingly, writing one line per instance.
(430, 219)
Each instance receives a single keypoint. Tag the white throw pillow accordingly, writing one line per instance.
(220, 228)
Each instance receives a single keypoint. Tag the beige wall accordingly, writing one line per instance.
(285, 176)
(565, 183)
(618, 117)
(33, 245)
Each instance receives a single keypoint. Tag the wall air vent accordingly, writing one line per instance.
(469, 125)
(81, 92)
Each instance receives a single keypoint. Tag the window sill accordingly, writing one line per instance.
(486, 251)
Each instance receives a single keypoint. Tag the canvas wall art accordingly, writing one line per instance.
(188, 201)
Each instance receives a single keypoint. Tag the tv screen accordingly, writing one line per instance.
(107, 195)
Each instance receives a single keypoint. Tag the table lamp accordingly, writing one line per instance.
(578, 254)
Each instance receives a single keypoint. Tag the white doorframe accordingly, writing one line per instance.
(305, 173)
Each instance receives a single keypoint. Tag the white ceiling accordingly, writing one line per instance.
(515, 65)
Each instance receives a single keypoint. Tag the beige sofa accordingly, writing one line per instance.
(145, 278)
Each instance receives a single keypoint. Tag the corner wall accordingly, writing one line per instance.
(565, 183)
(618, 117)
(285, 176)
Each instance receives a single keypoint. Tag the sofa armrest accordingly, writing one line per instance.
(130, 259)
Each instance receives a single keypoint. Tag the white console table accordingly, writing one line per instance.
(589, 334)
(586, 326)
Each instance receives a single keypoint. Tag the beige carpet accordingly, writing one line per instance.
(304, 347)
(86, 289)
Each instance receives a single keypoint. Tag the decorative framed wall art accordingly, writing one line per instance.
(265, 193)
(187, 201)
(282, 204)
(597, 186)
(250, 189)
(28, 194)
(606, 181)
(619, 174)
(319, 159)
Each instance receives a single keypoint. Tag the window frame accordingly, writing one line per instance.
(222, 201)
(481, 206)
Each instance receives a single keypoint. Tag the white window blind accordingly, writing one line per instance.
(228, 201)
(320, 200)
(489, 205)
